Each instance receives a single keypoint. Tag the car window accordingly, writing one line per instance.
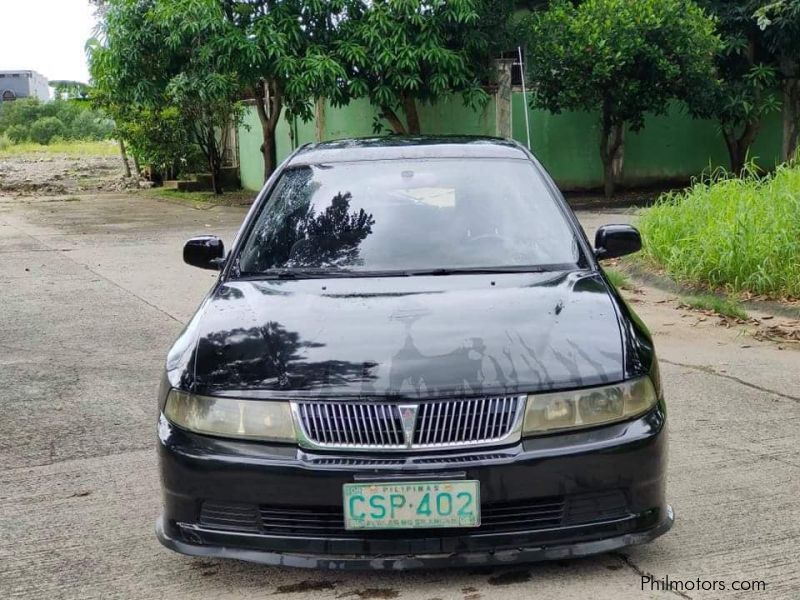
(410, 215)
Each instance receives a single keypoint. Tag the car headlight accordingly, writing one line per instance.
(231, 417)
(588, 407)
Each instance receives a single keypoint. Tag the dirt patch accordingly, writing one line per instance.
(306, 586)
(510, 577)
(34, 175)
(371, 594)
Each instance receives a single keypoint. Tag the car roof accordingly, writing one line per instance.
(402, 147)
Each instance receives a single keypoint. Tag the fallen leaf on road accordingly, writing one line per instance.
(785, 332)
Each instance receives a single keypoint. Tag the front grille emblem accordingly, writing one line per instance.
(408, 415)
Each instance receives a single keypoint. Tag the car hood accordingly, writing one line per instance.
(414, 337)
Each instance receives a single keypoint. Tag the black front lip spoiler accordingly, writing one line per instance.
(426, 561)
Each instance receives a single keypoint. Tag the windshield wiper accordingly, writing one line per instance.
(286, 274)
(477, 271)
(322, 273)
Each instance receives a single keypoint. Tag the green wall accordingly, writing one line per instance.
(670, 147)
(353, 120)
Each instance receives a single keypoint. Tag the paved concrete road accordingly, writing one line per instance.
(92, 293)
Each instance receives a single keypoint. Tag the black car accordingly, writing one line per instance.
(411, 358)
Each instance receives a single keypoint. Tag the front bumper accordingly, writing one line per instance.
(608, 482)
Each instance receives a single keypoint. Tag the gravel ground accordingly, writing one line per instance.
(28, 175)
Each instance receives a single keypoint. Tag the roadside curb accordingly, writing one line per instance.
(600, 205)
(667, 284)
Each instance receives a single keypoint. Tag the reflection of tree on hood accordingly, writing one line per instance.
(270, 357)
(331, 238)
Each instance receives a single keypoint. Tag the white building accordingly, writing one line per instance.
(23, 84)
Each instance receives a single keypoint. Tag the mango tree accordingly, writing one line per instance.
(621, 59)
(780, 22)
(398, 54)
(282, 54)
(743, 92)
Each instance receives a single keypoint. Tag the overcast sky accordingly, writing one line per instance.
(46, 36)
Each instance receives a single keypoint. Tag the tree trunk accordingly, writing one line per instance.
(734, 153)
(136, 166)
(126, 165)
(319, 119)
(214, 162)
(612, 138)
(394, 121)
(412, 116)
(215, 182)
(618, 160)
(609, 185)
(791, 118)
(739, 147)
(269, 104)
(270, 151)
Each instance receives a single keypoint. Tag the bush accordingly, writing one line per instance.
(88, 125)
(78, 120)
(161, 141)
(739, 234)
(45, 129)
(17, 133)
(21, 112)
(5, 142)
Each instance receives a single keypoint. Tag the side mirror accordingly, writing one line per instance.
(204, 251)
(613, 241)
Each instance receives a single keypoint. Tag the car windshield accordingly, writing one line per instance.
(410, 215)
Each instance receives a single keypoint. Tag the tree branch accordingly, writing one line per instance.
(276, 105)
(394, 121)
(412, 117)
(750, 133)
(261, 109)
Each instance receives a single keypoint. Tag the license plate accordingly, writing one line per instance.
(412, 505)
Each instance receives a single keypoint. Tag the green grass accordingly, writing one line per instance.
(722, 306)
(618, 279)
(70, 149)
(187, 196)
(233, 197)
(742, 235)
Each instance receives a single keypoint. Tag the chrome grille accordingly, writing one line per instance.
(464, 421)
(430, 425)
(343, 425)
